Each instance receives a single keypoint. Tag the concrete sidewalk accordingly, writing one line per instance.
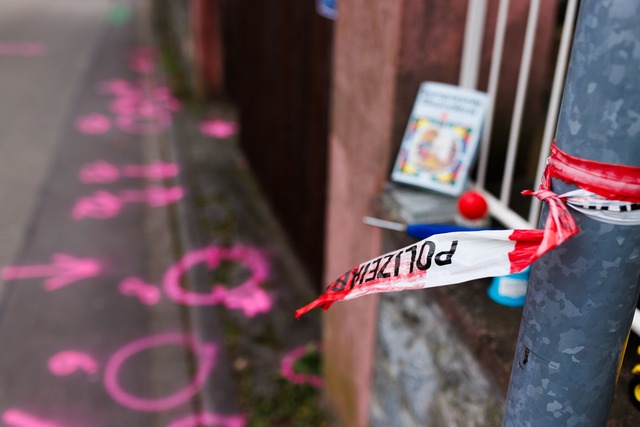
(154, 287)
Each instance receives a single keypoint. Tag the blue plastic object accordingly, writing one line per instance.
(510, 290)
(422, 231)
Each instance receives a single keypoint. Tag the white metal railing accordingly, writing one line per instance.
(500, 206)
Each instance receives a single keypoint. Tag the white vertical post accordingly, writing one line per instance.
(492, 89)
(472, 47)
(521, 93)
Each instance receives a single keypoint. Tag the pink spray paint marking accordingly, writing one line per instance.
(142, 60)
(62, 271)
(104, 205)
(206, 353)
(93, 124)
(138, 111)
(248, 296)
(101, 172)
(28, 49)
(209, 419)
(218, 128)
(17, 418)
(153, 171)
(287, 369)
(70, 361)
(154, 196)
(146, 293)
(115, 87)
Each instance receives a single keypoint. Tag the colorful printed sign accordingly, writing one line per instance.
(441, 138)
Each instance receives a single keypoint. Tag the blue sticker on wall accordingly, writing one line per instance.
(327, 8)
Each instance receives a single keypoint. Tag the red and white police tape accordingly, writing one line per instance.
(608, 193)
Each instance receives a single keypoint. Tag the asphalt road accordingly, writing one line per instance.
(144, 280)
(37, 89)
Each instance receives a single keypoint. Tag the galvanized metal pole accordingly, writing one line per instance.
(582, 295)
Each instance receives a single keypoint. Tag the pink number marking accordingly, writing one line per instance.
(287, 371)
(99, 172)
(68, 362)
(210, 420)
(145, 292)
(154, 196)
(93, 124)
(17, 418)
(140, 112)
(155, 170)
(63, 270)
(218, 128)
(248, 297)
(104, 205)
(101, 205)
(206, 353)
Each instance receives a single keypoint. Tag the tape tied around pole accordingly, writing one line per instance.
(608, 193)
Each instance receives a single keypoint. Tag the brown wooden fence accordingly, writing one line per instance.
(277, 70)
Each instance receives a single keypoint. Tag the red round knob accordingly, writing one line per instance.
(472, 205)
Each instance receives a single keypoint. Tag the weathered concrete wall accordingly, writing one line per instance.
(424, 374)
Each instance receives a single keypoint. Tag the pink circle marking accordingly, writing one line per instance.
(67, 362)
(206, 353)
(210, 420)
(93, 124)
(248, 296)
(287, 371)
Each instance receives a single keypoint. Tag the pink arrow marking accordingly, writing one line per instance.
(93, 124)
(287, 369)
(147, 293)
(17, 418)
(67, 362)
(63, 270)
(248, 296)
(210, 420)
(206, 353)
(218, 128)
